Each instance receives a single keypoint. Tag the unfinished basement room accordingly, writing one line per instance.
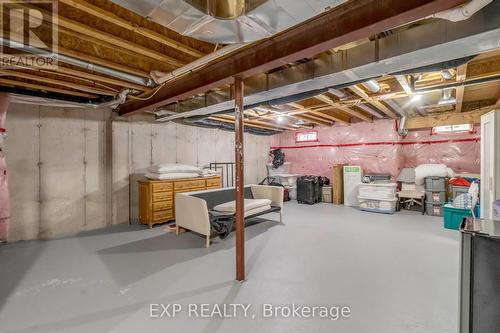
(220, 166)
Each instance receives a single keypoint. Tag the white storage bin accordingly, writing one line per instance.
(386, 206)
(378, 191)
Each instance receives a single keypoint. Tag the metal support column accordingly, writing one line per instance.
(238, 142)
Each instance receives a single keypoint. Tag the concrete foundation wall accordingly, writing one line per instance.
(69, 169)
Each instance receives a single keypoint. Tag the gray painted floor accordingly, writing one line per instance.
(398, 273)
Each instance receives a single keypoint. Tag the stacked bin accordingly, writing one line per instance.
(435, 195)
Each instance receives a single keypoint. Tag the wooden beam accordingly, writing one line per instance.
(351, 21)
(361, 93)
(357, 114)
(497, 104)
(460, 90)
(112, 18)
(320, 116)
(448, 118)
(15, 83)
(71, 85)
(109, 38)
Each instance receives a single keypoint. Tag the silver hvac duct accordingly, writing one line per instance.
(228, 21)
(80, 63)
(402, 130)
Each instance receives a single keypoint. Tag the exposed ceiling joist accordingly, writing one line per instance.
(112, 18)
(71, 85)
(357, 114)
(314, 119)
(449, 118)
(231, 121)
(15, 83)
(317, 114)
(102, 62)
(352, 21)
(108, 38)
(403, 82)
(361, 93)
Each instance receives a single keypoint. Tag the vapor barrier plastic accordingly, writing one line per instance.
(378, 149)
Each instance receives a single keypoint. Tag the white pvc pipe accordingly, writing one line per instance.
(464, 12)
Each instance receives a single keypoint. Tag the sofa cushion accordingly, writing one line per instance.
(256, 210)
(250, 204)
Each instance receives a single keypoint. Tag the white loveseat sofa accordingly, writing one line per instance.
(192, 208)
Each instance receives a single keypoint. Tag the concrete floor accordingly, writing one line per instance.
(398, 273)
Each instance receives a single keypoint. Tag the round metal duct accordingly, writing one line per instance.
(226, 9)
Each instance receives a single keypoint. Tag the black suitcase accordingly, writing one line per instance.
(309, 189)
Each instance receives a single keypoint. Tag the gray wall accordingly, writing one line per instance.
(69, 169)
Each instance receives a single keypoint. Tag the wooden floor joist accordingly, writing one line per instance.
(112, 18)
(103, 36)
(377, 104)
(71, 85)
(357, 114)
(231, 121)
(448, 118)
(14, 83)
(102, 62)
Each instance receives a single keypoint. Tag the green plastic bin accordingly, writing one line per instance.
(454, 216)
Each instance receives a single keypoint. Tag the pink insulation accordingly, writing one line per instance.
(378, 148)
(4, 191)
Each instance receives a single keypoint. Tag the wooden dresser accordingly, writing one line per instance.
(156, 197)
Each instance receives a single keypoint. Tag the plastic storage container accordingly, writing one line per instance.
(434, 209)
(378, 191)
(454, 216)
(385, 206)
(435, 184)
(292, 192)
(326, 194)
(437, 197)
(457, 190)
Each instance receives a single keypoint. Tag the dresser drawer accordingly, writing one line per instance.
(163, 215)
(159, 206)
(162, 196)
(162, 187)
(214, 182)
(189, 184)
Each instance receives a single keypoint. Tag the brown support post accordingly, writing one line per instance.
(238, 142)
